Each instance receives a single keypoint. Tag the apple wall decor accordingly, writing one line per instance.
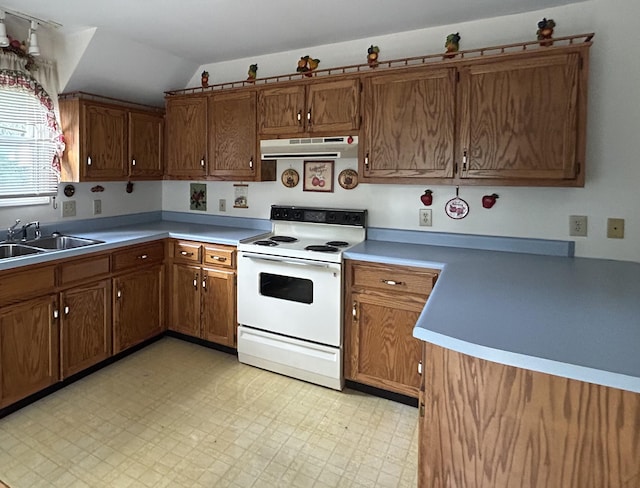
(427, 198)
(489, 201)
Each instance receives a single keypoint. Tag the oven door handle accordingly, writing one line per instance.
(259, 257)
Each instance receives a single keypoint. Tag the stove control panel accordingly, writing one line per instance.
(314, 215)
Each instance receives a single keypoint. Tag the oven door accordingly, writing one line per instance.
(293, 297)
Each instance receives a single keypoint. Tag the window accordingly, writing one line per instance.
(29, 141)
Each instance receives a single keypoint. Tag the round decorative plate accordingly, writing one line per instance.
(348, 179)
(457, 208)
(290, 178)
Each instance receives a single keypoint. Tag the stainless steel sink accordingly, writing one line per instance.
(59, 242)
(13, 250)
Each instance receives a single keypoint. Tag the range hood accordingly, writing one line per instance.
(310, 148)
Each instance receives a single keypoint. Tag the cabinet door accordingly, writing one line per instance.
(145, 145)
(85, 326)
(186, 133)
(233, 141)
(519, 118)
(333, 106)
(281, 110)
(384, 352)
(105, 136)
(408, 126)
(219, 306)
(137, 310)
(185, 299)
(28, 349)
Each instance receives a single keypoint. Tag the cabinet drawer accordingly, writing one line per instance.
(394, 278)
(188, 252)
(220, 256)
(80, 270)
(143, 255)
(16, 285)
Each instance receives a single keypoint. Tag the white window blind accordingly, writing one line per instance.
(27, 147)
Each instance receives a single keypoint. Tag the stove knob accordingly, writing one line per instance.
(297, 215)
(276, 213)
(331, 217)
(355, 218)
(285, 213)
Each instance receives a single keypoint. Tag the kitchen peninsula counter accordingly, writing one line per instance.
(571, 317)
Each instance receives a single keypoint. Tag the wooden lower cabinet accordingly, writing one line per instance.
(382, 307)
(138, 304)
(485, 424)
(203, 291)
(204, 303)
(85, 326)
(29, 359)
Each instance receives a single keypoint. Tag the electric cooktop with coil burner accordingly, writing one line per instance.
(320, 234)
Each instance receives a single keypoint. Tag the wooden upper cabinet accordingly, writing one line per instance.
(233, 141)
(103, 137)
(409, 125)
(281, 110)
(104, 150)
(328, 107)
(520, 119)
(146, 132)
(186, 135)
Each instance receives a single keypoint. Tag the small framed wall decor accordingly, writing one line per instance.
(318, 176)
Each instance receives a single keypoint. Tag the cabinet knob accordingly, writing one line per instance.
(464, 160)
(195, 281)
(392, 282)
(299, 117)
(251, 163)
(309, 117)
(119, 294)
(66, 310)
(354, 311)
(366, 161)
(56, 314)
(204, 282)
(202, 162)
(88, 160)
(219, 258)
(185, 253)
(143, 256)
(419, 367)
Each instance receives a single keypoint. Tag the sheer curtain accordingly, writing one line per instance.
(38, 77)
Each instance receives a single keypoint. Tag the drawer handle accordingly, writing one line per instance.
(185, 253)
(218, 258)
(392, 282)
(143, 256)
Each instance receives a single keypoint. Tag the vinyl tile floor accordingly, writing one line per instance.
(176, 414)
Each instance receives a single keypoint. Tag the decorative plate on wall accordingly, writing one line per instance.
(290, 178)
(348, 179)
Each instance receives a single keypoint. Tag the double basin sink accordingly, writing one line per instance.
(55, 242)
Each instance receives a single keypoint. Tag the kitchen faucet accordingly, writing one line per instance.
(11, 231)
(37, 233)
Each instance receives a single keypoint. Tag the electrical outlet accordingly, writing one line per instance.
(425, 217)
(97, 207)
(578, 225)
(222, 205)
(615, 228)
(69, 208)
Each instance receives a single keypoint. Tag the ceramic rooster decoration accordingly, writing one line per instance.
(545, 31)
(307, 64)
(452, 44)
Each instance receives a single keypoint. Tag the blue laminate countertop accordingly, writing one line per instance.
(139, 233)
(577, 318)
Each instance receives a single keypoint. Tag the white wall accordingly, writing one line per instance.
(613, 171)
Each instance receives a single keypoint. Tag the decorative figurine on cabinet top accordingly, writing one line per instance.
(452, 44)
(307, 64)
(205, 79)
(545, 31)
(253, 72)
(372, 56)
